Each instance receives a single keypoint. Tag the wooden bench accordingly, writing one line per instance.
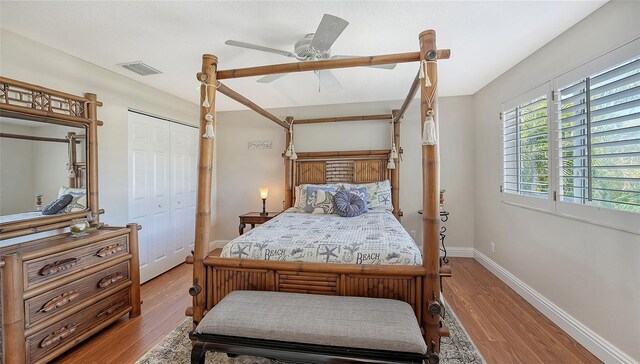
(307, 328)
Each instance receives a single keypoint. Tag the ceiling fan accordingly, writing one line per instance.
(313, 47)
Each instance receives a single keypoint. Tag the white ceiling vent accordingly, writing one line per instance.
(140, 68)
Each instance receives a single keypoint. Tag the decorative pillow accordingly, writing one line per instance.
(362, 193)
(79, 202)
(58, 205)
(325, 202)
(378, 195)
(301, 193)
(311, 196)
(349, 204)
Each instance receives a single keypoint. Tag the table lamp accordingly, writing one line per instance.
(264, 193)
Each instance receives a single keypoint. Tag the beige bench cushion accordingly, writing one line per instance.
(355, 322)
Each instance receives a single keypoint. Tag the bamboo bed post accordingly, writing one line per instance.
(288, 186)
(395, 173)
(203, 204)
(92, 146)
(430, 196)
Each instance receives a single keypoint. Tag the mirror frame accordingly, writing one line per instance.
(55, 107)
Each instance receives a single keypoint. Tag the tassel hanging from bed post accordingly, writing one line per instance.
(424, 74)
(394, 150)
(291, 150)
(391, 164)
(208, 131)
(290, 146)
(429, 135)
(206, 103)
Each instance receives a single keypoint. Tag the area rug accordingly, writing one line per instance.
(175, 348)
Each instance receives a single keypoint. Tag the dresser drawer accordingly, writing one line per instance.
(41, 270)
(65, 331)
(70, 295)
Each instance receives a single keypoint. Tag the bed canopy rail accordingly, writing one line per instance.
(345, 118)
(214, 277)
(328, 64)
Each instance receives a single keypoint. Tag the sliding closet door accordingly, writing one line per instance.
(184, 154)
(149, 191)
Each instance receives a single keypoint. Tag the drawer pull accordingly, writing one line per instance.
(111, 279)
(110, 310)
(60, 301)
(110, 250)
(57, 336)
(58, 266)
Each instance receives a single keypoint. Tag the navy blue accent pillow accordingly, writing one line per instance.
(363, 193)
(58, 205)
(349, 204)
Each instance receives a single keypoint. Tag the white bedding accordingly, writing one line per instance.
(371, 238)
(20, 216)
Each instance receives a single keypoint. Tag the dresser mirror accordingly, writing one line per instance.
(48, 158)
(42, 169)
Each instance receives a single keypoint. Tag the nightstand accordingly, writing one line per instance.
(253, 219)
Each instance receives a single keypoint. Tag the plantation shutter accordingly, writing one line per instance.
(599, 139)
(526, 148)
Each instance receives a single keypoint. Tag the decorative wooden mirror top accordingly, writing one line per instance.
(48, 152)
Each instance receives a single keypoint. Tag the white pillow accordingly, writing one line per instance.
(79, 202)
(378, 195)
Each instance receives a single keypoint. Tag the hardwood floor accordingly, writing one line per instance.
(164, 300)
(505, 328)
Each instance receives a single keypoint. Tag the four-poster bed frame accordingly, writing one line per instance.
(214, 277)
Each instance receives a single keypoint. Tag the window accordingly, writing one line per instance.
(571, 146)
(526, 148)
(599, 139)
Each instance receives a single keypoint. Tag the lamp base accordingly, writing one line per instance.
(264, 208)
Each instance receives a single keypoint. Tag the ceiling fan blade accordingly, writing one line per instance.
(271, 78)
(328, 80)
(328, 31)
(382, 66)
(235, 43)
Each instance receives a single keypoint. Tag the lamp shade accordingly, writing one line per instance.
(264, 192)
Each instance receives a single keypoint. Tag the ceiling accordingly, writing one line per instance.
(486, 39)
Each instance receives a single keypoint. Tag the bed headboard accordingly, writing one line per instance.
(362, 166)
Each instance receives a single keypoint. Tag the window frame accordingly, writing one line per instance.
(516, 198)
(607, 217)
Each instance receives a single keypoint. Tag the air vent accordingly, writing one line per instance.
(140, 68)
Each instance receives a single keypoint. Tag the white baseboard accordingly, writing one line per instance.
(593, 342)
(461, 252)
(217, 244)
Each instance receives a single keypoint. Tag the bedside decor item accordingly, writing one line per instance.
(38, 202)
(264, 193)
(79, 227)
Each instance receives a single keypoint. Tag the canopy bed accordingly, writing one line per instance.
(416, 280)
(64, 276)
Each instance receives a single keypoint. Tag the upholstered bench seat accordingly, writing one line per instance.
(311, 328)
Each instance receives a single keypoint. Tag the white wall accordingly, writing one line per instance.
(242, 171)
(16, 171)
(591, 272)
(33, 62)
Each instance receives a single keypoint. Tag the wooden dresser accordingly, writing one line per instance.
(59, 290)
